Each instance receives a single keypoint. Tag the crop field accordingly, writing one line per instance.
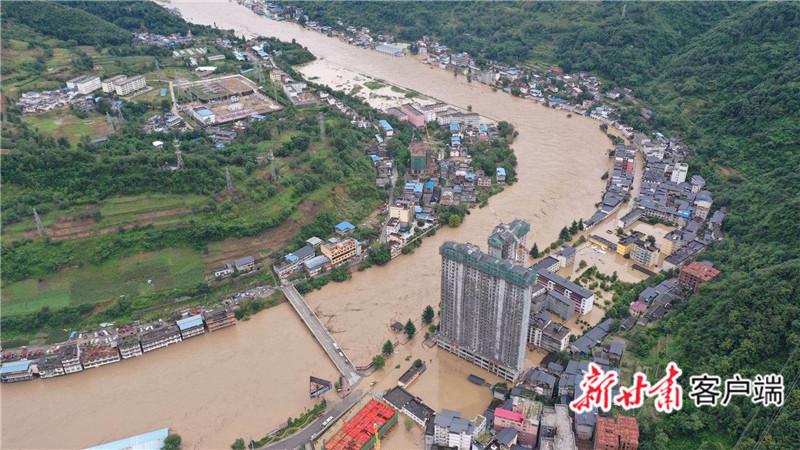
(132, 276)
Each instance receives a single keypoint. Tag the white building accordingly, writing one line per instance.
(84, 84)
(130, 85)
(109, 83)
(204, 115)
(679, 173)
(450, 430)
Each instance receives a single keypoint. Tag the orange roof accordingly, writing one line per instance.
(705, 272)
(358, 431)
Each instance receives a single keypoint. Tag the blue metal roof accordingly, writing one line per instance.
(501, 171)
(190, 322)
(345, 226)
(453, 127)
(15, 366)
(153, 440)
(317, 261)
(385, 125)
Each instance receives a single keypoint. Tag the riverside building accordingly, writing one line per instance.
(485, 309)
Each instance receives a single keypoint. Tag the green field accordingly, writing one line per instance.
(168, 269)
(65, 124)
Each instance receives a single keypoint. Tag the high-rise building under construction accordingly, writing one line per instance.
(510, 241)
(485, 308)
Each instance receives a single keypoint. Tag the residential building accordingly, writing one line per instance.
(679, 172)
(387, 129)
(620, 433)
(84, 84)
(550, 263)
(50, 366)
(566, 256)
(645, 253)
(555, 431)
(317, 265)
(203, 115)
(344, 227)
(130, 85)
(450, 430)
(522, 417)
(403, 211)
(542, 382)
(408, 404)
(128, 345)
(160, 337)
(414, 115)
(339, 251)
(294, 261)
(98, 355)
(245, 264)
(219, 318)
(500, 175)
(71, 359)
(191, 326)
(509, 241)
(582, 298)
(224, 271)
(14, 371)
(702, 204)
(584, 344)
(109, 83)
(485, 309)
(696, 273)
(549, 335)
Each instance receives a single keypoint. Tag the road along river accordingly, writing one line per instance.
(247, 380)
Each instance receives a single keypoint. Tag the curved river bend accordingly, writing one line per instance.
(248, 379)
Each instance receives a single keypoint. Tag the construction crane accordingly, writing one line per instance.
(377, 427)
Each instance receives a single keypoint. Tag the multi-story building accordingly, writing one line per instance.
(130, 85)
(403, 211)
(702, 204)
(523, 417)
(420, 156)
(695, 274)
(203, 115)
(84, 84)
(128, 345)
(449, 430)
(510, 241)
(549, 335)
(224, 271)
(98, 355)
(245, 264)
(109, 83)
(679, 172)
(160, 337)
(485, 309)
(621, 433)
(191, 326)
(339, 251)
(645, 253)
(582, 298)
(50, 366)
(219, 318)
(555, 431)
(317, 265)
(14, 371)
(293, 262)
(71, 358)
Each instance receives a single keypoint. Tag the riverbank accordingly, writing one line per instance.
(232, 389)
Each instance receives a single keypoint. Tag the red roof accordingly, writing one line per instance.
(509, 415)
(611, 433)
(356, 433)
(705, 272)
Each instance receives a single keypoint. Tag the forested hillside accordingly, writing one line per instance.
(726, 78)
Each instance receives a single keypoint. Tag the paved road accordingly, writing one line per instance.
(315, 429)
(319, 331)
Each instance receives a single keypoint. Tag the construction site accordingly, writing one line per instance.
(366, 429)
(223, 99)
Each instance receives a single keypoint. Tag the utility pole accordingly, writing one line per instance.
(624, 7)
(38, 220)
(272, 174)
(179, 156)
(228, 181)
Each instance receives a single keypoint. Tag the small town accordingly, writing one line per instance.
(484, 250)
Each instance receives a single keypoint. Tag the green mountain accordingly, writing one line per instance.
(726, 78)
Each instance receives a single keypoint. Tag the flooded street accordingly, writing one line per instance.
(247, 380)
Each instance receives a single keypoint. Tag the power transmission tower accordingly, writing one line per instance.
(228, 181)
(38, 220)
(624, 7)
(158, 70)
(111, 122)
(321, 118)
(179, 155)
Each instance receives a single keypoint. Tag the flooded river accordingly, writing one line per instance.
(248, 379)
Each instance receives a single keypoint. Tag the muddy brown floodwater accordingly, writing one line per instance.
(246, 380)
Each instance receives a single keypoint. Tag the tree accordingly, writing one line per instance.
(410, 329)
(417, 363)
(454, 221)
(172, 442)
(534, 251)
(238, 444)
(388, 348)
(427, 315)
(573, 228)
(378, 362)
